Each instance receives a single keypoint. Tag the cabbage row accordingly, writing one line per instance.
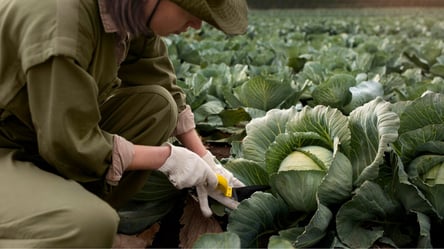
(340, 112)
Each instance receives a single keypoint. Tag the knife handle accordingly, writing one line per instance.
(222, 185)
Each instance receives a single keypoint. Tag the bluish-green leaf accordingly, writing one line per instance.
(261, 132)
(247, 171)
(437, 69)
(218, 240)
(411, 143)
(262, 94)
(425, 239)
(256, 216)
(316, 228)
(335, 91)
(373, 127)
(328, 122)
(277, 242)
(422, 112)
(360, 221)
(337, 185)
(298, 188)
(363, 93)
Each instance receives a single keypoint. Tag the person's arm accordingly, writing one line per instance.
(148, 63)
(149, 157)
(65, 113)
(151, 65)
(193, 142)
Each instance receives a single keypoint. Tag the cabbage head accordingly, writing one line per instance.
(420, 147)
(310, 164)
(313, 158)
(308, 158)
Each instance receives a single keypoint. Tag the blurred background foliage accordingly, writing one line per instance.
(279, 4)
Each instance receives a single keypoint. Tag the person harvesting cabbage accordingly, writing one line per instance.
(88, 101)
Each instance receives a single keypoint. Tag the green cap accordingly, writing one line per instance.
(229, 16)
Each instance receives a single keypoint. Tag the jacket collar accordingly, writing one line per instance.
(108, 23)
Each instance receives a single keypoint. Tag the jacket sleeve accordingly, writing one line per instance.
(147, 62)
(65, 113)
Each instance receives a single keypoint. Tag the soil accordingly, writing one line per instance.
(219, 150)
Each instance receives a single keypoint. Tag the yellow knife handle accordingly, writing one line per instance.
(223, 186)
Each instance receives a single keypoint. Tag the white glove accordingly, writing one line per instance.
(232, 182)
(216, 195)
(219, 169)
(186, 169)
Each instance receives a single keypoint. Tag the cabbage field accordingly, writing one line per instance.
(356, 96)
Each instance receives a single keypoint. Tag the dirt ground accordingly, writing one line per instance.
(219, 150)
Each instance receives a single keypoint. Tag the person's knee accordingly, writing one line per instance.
(78, 225)
(90, 225)
(159, 111)
(143, 114)
(164, 103)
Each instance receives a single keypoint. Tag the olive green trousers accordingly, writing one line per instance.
(42, 210)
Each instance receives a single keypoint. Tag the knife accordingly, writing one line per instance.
(238, 193)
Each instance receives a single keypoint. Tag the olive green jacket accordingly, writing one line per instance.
(57, 65)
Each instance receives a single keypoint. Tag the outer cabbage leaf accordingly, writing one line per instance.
(363, 220)
(363, 93)
(223, 79)
(363, 62)
(255, 216)
(188, 52)
(277, 242)
(211, 107)
(422, 112)
(196, 89)
(157, 197)
(136, 216)
(234, 117)
(255, 113)
(157, 187)
(420, 144)
(328, 122)
(428, 168)
(373, 127)
(437, 69)
(413, 143)
(424, 240)
(290, 235)
(335, 91)
(218, 240)
(247, 171)
(262, 94)
(408, 193)
(316, 229)
(261, 132)
(337, 185)
(426, 172)
(313, 71)
(420, 147)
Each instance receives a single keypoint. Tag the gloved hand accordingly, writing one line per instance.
(219, 169)
(186, 169)
(216, 195)
(232, 182)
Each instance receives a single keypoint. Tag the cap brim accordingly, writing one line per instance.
(229, 16)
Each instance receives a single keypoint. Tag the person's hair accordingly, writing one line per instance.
(129, 16)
